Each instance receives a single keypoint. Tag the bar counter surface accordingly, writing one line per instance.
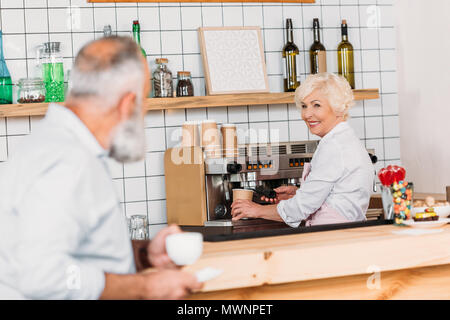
(368, 262)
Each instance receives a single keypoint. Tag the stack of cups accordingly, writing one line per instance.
(211, 139)
(229, 140)
(190, 134)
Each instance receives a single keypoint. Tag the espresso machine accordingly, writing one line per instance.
(199, 190)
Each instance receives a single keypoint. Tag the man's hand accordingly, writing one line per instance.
(169, 284)
(163, 284)
(157, 254)
(283, 193)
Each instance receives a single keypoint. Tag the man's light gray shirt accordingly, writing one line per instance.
(61, 225)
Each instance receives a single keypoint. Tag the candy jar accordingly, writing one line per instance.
(402, 192)
(396, 194)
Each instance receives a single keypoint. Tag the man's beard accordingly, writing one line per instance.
(128, 141)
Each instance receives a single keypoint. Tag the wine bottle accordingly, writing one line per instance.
(137, 36)
(290, 53)
(6, 92)
(317, 52)
(345, 57)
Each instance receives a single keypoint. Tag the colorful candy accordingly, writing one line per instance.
(402, 199)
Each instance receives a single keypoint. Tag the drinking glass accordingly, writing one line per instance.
(139, 227)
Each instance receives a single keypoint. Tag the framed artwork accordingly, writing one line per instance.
(233, 60)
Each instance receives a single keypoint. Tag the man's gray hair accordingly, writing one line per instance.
(107, 76)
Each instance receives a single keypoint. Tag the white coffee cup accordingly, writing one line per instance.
(184, 248)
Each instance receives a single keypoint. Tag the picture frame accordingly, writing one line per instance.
(233, 60)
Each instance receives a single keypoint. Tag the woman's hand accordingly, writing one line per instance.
(245, 209)
(157, 253)
(283, 193)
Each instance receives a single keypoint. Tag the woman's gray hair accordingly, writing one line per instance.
(335, 88)
(107, 77)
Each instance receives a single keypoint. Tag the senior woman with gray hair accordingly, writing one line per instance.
(337, 184)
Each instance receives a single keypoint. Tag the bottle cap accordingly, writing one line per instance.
(52, 47)
(136, 22)
(184, 73)
(30, 81)
(162, 60)
(344, 21)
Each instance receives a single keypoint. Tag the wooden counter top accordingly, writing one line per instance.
(320, 255)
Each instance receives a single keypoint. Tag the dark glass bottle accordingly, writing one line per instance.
(6, 91)
(317, 52)
(137, 35)
(290, 53)
(345, 57)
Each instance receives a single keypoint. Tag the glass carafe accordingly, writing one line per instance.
(51, 63)
(6, 92)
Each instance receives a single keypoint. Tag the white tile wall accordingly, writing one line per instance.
(170, 30)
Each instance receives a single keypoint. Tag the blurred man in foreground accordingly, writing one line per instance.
(62, 232)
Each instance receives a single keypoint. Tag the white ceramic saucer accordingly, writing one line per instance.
(208, 273)
(427, 224)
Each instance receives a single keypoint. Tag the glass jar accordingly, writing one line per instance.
(162, 79)
(50, 60)
(184, 86)
(31, 91)
(138, 227)
(107, 31)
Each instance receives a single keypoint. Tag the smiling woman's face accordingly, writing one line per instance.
(318, 114)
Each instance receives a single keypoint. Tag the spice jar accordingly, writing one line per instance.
(184, 86)
(162, 79)
(31, 91)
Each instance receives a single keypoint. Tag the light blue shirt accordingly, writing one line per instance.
(61, 225)
(341, 176)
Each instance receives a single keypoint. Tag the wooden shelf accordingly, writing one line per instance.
(229, 100)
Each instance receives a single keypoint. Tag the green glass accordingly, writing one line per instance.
(290, 53)
(137, 35)
(345, 57)
(6, 91)
(317, 52)
(53, 74)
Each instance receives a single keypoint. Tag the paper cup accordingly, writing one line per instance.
(242, 194)
(190, 134)
(229, 138)
(213, 151)
(210, 134)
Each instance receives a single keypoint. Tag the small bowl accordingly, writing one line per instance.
(184, 248)
(442, 211)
